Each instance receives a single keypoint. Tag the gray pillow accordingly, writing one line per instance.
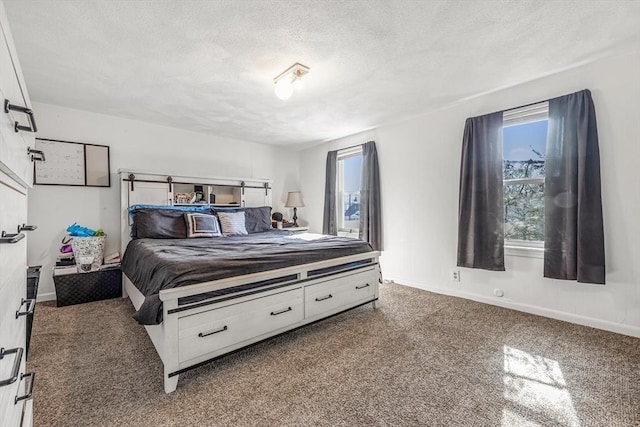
(154, 223)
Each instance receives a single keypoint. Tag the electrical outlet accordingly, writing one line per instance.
(455, 275)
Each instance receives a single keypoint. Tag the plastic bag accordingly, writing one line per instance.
(80, 231)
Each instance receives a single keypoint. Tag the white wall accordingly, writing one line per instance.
(419, 166)
(136, 146)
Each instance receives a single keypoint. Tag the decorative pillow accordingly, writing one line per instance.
(158, 224)
(232, 223)
(202, 225)
(161, 222)
(256, 220)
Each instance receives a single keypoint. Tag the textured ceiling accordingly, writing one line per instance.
(209, 66)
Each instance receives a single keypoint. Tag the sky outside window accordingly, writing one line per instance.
(520, 141)
(352, 168)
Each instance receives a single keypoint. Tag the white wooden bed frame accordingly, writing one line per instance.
(195, 333)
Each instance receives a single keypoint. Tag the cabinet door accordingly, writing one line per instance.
(12, 336)
(256, 197)
(13, 212)
(150, 193)
(13, 289)
(14, 159)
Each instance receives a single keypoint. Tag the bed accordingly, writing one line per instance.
(202, 298)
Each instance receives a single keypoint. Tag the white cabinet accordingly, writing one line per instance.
(14, 157)
(13, 292)
(15, 178)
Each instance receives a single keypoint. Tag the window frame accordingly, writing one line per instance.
(341, 156)
(519, 116)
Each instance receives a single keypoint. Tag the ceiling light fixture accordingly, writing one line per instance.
(289, 78)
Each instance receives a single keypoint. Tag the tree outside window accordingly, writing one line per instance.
(524, 145)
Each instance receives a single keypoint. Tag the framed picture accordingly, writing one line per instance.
(72, 163)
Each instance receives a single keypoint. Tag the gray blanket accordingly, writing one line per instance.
(155, 264)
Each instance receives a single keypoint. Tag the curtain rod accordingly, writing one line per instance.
(534, 103)
(352, 146)
(515, 108)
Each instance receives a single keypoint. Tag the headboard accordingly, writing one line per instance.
(163, 189)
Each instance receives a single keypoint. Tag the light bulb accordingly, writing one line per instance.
(283, 89)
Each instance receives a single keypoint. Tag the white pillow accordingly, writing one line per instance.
(232, 223)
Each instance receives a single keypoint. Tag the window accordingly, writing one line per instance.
(349, 170)
(524, 146)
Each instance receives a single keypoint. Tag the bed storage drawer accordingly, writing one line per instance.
(325, 298)
(214, 330)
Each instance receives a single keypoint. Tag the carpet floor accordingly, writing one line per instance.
(419, 359)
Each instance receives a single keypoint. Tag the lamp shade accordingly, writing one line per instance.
(294, 200)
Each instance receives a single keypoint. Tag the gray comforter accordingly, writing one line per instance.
(155, 264)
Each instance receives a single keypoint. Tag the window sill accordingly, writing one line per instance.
(524, 251)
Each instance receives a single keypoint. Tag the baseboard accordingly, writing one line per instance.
(618, 328)
(50, 296)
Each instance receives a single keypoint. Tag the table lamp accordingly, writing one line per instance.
(294, 200)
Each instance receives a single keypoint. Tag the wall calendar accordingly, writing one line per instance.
(72, 163)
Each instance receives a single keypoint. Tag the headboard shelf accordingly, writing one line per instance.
(177, 190)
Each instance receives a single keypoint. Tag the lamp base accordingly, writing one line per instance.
(295, 217)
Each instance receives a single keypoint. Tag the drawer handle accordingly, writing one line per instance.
(25, 227)
(275, 313)
(32, 120)
(39, 155)
(16, 364)
(362, 286)
(28, 393)
(10, 238)
(30, 307)
(324, 298)
(217, 331)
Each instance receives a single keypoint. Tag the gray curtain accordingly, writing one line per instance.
(481, 206)
(574, 235)
(370, 205)
(329, 223)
